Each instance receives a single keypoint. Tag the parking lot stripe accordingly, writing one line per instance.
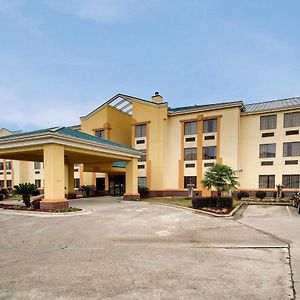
(288, 209)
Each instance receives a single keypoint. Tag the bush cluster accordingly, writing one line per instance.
(219, 202)
(261, 194)
(143, 191)
(242, 194)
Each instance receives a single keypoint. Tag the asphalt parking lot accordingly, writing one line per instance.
(136, 250)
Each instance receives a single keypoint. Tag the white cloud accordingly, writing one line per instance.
(20, 113)
(107, 11)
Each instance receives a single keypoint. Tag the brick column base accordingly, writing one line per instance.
(46, 206)
(131, 197)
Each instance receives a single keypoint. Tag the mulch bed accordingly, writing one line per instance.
(217, 210)
(24, 208)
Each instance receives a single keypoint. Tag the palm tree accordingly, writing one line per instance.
(221, 177)
(26, 190)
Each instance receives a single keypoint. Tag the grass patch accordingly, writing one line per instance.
(170, 200)
(14, 197)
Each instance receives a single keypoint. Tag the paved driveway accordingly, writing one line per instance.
(283, 222)
(135, 250)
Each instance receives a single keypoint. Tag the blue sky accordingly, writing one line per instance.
(60, 59)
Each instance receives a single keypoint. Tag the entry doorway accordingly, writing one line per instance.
(116, 185)
(100, 184)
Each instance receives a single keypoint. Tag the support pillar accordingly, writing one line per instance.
(131, 180)
(54, 176)
(71, 194)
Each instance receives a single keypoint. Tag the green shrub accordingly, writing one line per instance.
(143, 191)
(242, 194)
(219, 202)
(260, 194)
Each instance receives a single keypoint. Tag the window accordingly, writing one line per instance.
(142, 181)
(267, 134)
(37, 165)
(9, 183)
(190, 165)
(292, 119)
(1, 184)
(290, 181)
(266, 181)
(267, 150)
(1, 165)
(141, 166)
(190, 180)
(268, 122)
(206, 165)
(292, 132)
(291, 149)
(190, 139)
(140, 142)
(143, 156)
(37, 183)
(100, 133)
(140, 130)
(190, 128)
(209, 152)
(209, 137)
(190, 154)
(8, 165)
(291, 162)
(267, 163)
(76, 183)
(210, 125)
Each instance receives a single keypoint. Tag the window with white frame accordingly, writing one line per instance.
(37, 165)
(190, 128)
(268, 122)
(100, 133)
(140, 130)
(291, 149)
(210, 125)
(209, 152)
(190, 180)
(142, 181)
(38, 183)
(266, 181)
(267, 150)
(190, 154)
(292, 119)
(290, 181)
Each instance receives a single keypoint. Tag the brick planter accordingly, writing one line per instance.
(46, 206)
(131, 197)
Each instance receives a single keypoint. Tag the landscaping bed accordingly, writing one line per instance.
(24, 208)
(185, 202)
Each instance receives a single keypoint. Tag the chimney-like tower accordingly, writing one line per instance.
(157, 98)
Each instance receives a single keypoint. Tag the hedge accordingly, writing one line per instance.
(219, 202)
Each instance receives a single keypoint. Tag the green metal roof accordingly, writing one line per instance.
(119, 164)
(273, 104)
(66, 131)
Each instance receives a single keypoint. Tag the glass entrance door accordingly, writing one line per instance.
(116, 185)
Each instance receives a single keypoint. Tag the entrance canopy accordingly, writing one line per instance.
(60, 148)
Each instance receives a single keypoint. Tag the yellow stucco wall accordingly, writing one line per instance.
(251, 138)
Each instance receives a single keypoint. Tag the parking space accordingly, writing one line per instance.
(282, 222)
(134, 250)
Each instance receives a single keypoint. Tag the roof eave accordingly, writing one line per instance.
(270, 110)
(60, 137)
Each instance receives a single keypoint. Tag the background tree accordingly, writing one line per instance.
(221, 177)
(26, 190)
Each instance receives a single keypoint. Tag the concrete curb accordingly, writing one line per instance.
(42, 214)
